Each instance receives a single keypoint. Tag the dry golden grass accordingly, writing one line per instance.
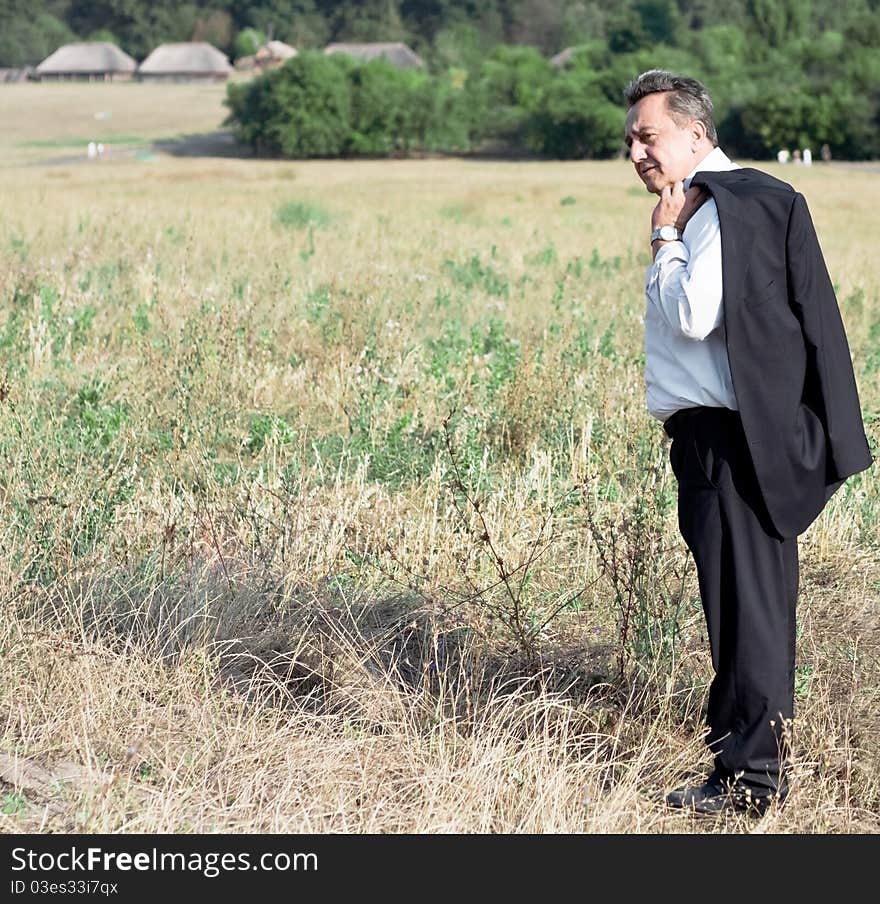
(54, 119)
(245, 406)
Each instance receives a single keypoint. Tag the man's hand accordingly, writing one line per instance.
(676, 206)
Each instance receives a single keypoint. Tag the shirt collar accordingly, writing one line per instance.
(715, 161)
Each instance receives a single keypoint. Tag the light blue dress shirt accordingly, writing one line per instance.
(686, 360)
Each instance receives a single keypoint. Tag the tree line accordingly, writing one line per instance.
(783, 73)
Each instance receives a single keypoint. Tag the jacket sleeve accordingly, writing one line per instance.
(830, 386)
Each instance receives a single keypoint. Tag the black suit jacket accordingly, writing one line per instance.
(789, 358)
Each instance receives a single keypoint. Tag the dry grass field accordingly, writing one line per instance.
(330, 502)
(55, 119)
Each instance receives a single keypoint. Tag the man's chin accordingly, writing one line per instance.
(656, 188)
(653, 184)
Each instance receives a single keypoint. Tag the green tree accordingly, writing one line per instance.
(369, 20)
(661, 20)
(383, 101)
(509, 89)
(28, 36)
(248, 41)
(459, 46)
(539, 23)
(298, 22)
(626, 31)
(443, 118)
(302, 109)
(779, 22)
(722, 50)
(700, 14)
(575, 120)
(104, 34)
(859, 20)
(215, 27)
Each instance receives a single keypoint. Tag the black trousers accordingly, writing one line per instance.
(748, 577)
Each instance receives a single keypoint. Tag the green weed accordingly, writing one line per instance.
(97, 419)
(266, 428)
(454, 212)
(14, 804)
(604, 266)
(543, 258)
(473, 273)
(302, 215)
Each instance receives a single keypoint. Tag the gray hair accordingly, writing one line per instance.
(686, 98)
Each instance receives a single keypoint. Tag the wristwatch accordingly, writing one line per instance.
(665, 234)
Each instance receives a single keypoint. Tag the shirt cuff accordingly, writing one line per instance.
(672, 250)
(666, 254)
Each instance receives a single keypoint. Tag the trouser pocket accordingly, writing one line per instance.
(693, 455)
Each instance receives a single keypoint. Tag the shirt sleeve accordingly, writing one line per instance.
(684, 282)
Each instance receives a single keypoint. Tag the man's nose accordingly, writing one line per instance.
(636, 152)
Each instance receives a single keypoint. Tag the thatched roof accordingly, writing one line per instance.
(21, 74)
(192, 58)
(275, 50)
(395, 52)
(88, 57)
(269, 56)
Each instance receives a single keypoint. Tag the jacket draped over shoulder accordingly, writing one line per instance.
(789, 357)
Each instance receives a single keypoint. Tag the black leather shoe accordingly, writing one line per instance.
(710, 797)
(720, 793)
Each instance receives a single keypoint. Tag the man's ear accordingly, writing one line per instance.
(698, 130)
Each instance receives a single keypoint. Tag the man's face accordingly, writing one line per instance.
(661, 151)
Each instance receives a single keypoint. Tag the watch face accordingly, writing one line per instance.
(668, 233)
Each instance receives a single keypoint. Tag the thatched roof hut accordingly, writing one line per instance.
(274, 53)
(21, 74)
(90, 60)
(396, 53)
(246, 63)
(185, 62)
(269, 56)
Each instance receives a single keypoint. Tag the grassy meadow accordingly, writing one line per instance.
(330, 502)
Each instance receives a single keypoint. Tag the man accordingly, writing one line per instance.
(748, 367)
